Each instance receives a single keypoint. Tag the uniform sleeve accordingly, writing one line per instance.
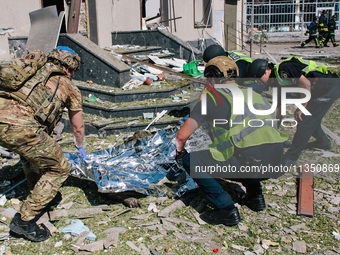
(74, 101)
(291, 70)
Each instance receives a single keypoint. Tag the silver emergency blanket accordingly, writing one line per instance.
(140, 165)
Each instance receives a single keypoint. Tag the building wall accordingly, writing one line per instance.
(116, 15)
(119, 15)
(185, 25)
(15, 14)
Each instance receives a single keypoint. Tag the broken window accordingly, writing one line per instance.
(202, 13)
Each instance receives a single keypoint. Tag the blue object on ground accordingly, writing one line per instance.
(76, 228)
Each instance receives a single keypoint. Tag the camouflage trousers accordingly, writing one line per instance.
(44, 164)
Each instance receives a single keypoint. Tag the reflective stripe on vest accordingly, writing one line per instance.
(240, 134)
(311, 66)
(236, 56)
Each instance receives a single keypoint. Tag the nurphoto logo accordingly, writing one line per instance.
(239, 104)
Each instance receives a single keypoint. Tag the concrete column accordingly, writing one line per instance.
(230, 24)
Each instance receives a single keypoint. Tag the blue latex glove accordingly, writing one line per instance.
(82, 152)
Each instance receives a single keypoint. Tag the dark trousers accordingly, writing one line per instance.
(311, 38)
(331, 36)
(266, 154)
(311, 125)
(322, 36)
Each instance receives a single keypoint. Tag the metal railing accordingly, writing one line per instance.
(288, 16)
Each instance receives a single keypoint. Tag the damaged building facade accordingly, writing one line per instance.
(197, 22)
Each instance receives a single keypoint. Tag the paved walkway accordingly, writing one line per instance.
(285, 50)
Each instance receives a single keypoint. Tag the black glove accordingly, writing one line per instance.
(180, 155)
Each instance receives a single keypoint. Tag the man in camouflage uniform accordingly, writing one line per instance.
(21, 131)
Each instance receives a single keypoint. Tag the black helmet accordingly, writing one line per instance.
(323, 12)
(334, 16)
(315, 18)
(212, 51)
(257, 69)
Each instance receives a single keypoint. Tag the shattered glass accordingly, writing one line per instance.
(141, 165)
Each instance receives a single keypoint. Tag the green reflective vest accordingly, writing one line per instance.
(236, 56)
(245, 130)
(312, 66)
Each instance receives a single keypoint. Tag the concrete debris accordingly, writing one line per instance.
(58, 244)
(288, 231)
(50, 227)
(75, 213)
(44, 218)
(92, 247)
(64, 199)
(158, 200)
(249, 253)
(292, 207)
(153, 207)
(169, 226)
(141, 249)
(178, 221)
(299, 227)
(133, 83)
(238, 247)
(280, 193)
(300, 246)
(15, 201)
(116, 214)
(335, 201)
(198, 218)
(242, 227)
(4, 236)
(153, 238)
(331, 134)
(67, 206)
(141, 216)
(166, 211)
(9, 213)
(181, 236)
(113, 236)
(273, 205)
(148, 223)
(277, 215)
(336, 235)
(3, 200)
(269, 243)
(258, 249)
(76, 228)
(328, 154)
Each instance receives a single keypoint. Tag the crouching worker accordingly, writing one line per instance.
(237, 145)
(28, 115)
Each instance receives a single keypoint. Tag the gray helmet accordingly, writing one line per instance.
(257, 69)
(212, 51)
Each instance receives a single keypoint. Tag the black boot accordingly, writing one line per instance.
(54, 202)
(29, 229)
(227, 216)
(255, 203)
